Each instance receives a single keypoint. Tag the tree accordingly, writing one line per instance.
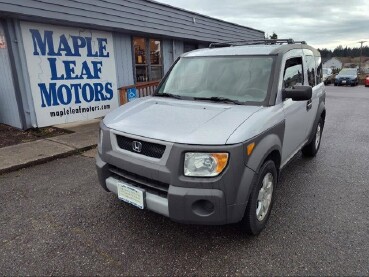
(339, 51)
(274, 36)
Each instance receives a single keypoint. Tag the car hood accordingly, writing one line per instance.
(179, 121)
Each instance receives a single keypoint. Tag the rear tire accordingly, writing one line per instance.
(311, 149)
(261, 200)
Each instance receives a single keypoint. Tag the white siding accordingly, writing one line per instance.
(167, 54)
(123, 59)
(178, 48)
(9, 113)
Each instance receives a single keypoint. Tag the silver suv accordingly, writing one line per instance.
(209, 145)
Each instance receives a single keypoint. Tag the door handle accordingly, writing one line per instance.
(309, 105)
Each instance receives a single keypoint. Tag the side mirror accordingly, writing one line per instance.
(298, 93)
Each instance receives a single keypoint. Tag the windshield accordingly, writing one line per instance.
(325, 71)
(348, 71)
(243, 79)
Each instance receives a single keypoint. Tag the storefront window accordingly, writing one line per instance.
(148, 59)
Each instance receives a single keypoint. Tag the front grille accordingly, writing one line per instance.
(149, 149)
(148, 184)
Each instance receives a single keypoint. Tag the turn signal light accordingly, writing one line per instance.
(250, 148)
(222, 160)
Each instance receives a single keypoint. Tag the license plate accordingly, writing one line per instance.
(343, 82)
(131, 195)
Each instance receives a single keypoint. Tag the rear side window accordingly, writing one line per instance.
(319, 70)
(310, 66)
(293, 73)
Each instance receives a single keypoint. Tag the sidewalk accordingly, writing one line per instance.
(40, 151)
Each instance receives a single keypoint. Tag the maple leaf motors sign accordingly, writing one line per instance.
(71, 71)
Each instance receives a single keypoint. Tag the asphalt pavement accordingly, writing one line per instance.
(56, 220)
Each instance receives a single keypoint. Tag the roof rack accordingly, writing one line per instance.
(254, 42)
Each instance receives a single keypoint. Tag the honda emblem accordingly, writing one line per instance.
(137, 146)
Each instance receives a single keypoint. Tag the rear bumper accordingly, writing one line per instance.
(345, 82)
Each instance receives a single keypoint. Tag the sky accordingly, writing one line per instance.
(321, 23)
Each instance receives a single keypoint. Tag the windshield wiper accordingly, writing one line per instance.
(169, 95)
(220, 99)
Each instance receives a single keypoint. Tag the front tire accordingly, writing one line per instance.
(311, 149)
(261, 199)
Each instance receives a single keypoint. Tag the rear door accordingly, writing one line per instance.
(313, 78)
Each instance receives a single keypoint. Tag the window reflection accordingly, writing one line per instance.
(293, 74)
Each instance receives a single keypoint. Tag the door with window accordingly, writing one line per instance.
(314, 79)
(296, 118)
(147, 59)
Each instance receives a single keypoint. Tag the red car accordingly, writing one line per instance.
(367, 81)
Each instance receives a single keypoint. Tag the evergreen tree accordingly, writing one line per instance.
(339, 51)
(274, 36)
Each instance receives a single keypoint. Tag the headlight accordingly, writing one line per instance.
(205, 164)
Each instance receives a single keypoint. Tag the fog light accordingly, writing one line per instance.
(203, 207)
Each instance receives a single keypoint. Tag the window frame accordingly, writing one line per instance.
(148, 64)
(302, 68)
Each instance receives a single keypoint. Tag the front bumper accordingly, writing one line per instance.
(218, 200)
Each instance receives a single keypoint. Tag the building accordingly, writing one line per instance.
(351, 65)
(365, 66)
(63, 61)
(333, 63)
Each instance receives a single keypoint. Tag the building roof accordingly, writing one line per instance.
(334, 58)
(134, 16)
(204, 16)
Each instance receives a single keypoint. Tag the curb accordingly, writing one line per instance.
(46, 159)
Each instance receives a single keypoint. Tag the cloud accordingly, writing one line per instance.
(321, 23)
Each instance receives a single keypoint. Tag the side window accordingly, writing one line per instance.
(319, 70)
(293, 73)
(310, 64)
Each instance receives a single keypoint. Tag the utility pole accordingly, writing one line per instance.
(361, 53)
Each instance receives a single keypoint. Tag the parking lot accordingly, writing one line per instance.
(55, 219)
